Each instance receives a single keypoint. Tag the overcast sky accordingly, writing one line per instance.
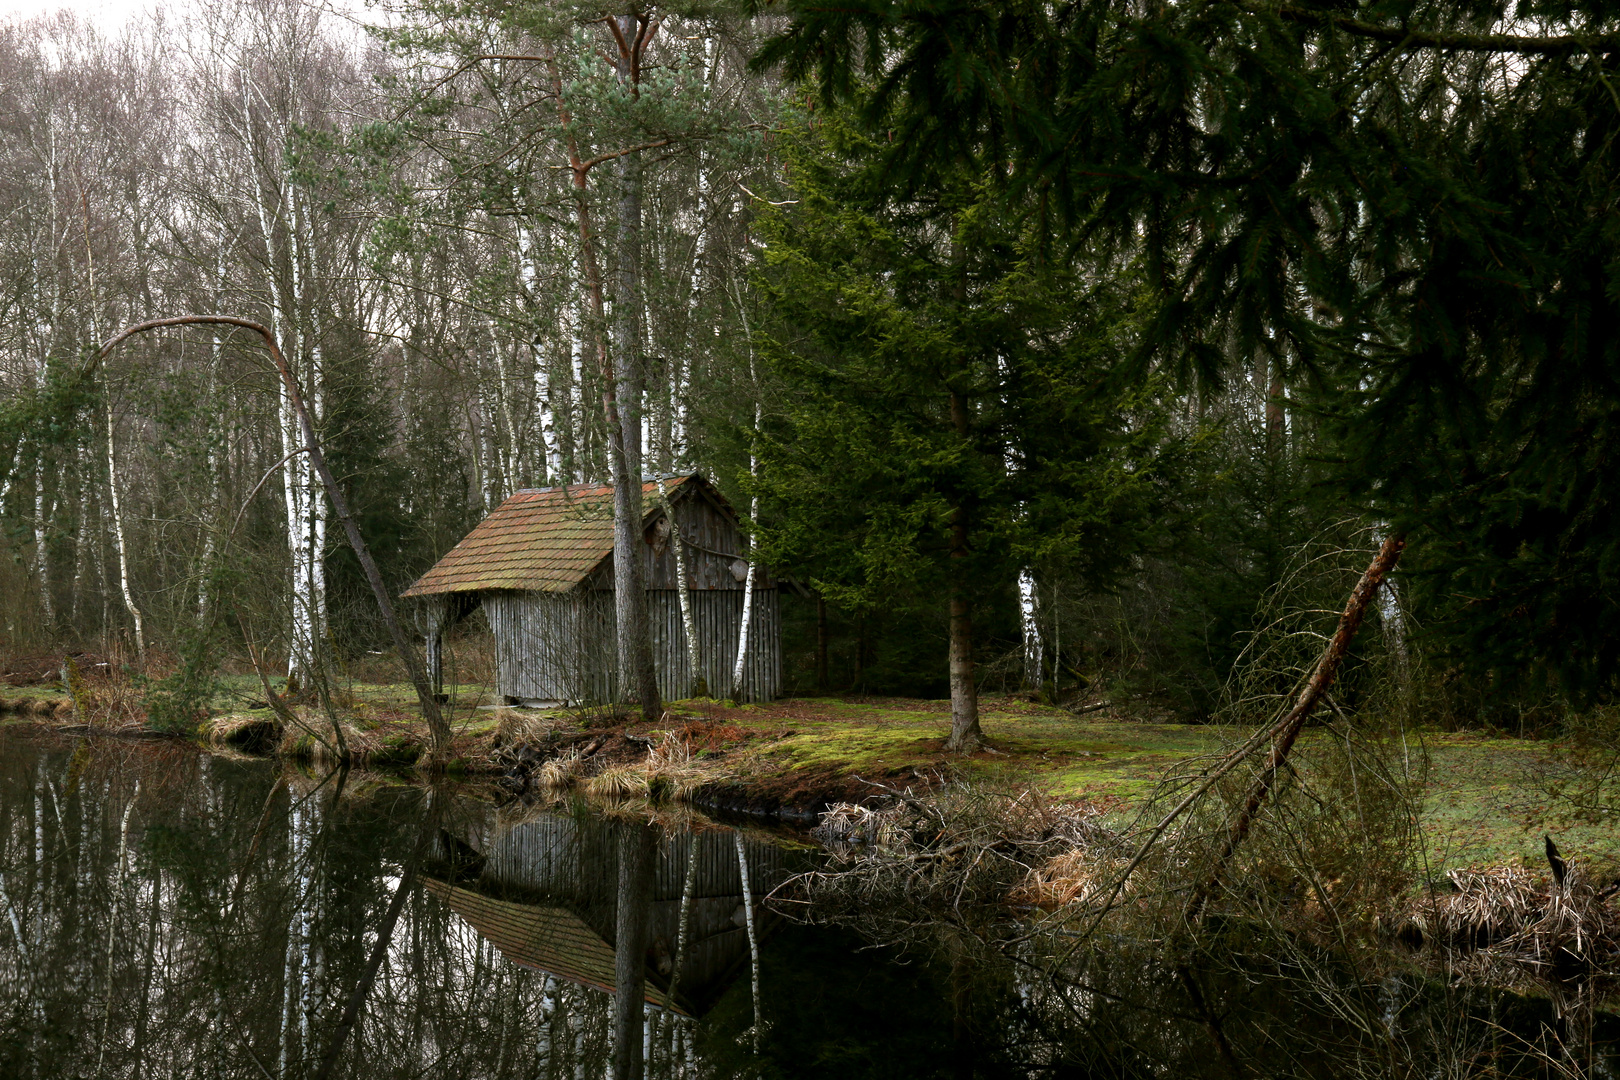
(109, 12)
(112, 13)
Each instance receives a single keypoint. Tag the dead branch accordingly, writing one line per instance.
(1289, 728)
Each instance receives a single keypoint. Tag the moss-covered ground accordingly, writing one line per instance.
(1486, 799)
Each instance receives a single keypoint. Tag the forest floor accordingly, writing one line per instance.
(1487, 800)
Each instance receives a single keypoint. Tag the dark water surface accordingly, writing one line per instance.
(167, 913)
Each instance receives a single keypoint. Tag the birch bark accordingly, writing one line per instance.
(683, 587)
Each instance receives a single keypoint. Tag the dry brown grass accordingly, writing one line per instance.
(558, 773)
(962, 849)
(255, 733)
(1074, 877)
(1505, 928)
(618, 782)
(514, 728)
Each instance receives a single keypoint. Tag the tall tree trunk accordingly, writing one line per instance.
(119, 540)
(1030, 616)
(638, 848)
(965, 732)
(630, 590)
(821, 644)
(634, 647)
(114, 506)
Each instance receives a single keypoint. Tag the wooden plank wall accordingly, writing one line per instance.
(561, 647)
(563, 858)
(553, 646)
(717, 618)
(712, 541)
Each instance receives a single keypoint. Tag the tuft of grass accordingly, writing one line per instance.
(619, 782)
(250, 734)
(558, 773)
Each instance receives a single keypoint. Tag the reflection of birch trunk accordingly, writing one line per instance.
(687, 889)
(753, 938)
(700, 685)
(548, 1015)
(112, 922)
(144, 1013)
(428, 829)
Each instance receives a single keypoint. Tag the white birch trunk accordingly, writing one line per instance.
(683, 591)
(545, 410)
(119, 541)
(753, 514)
(1029, 614)
(114, 504)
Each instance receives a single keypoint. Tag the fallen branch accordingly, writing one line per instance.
(1327, 668)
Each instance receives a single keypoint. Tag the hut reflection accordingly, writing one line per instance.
(546, 892)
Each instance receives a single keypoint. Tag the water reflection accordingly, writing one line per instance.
(168, 914)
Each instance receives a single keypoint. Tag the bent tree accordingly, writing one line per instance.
(438, 727)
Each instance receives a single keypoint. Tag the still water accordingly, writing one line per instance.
(168, 913)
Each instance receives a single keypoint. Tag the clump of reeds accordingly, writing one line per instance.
(618, 782)
(515, 728)
(1505, 924)
(1081, 875)
(559, 772)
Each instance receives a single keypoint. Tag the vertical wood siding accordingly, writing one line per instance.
(561, 646)
(713, 543)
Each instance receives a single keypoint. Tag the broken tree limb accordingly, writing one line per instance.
(437, 725)
(1288, 729)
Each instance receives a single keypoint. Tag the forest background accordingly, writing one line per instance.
(1106, 432)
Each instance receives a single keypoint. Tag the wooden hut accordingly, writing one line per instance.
(542, 567)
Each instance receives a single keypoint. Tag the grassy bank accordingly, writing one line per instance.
(1486, 799)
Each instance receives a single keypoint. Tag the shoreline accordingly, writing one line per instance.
(1484, 799)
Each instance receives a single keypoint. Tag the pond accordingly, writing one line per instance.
(170, 913)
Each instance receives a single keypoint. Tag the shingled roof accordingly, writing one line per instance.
(540, 539)
(550, 939)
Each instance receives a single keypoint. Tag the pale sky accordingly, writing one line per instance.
(109, 13)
